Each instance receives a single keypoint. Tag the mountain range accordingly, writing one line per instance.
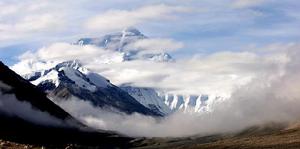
(78, 81)
(120, 42)
(157, 100)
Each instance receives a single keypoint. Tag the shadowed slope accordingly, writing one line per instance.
(17, 129)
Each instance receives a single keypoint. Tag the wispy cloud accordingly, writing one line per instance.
(271, 97)
(11, 106)
(191, 21)
(153, 45)
(217, 74)
(118, 19)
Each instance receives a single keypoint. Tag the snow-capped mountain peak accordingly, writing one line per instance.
(115, 41)
(71, 79)
(75, 64)
(149, 98)
(121, 41)
(69, 70)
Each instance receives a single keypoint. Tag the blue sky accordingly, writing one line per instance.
(203, 26)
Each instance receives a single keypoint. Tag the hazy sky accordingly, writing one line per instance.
(203, 26)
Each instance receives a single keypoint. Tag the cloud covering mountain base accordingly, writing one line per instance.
(10, 105)
(270, 97)
(260, 86)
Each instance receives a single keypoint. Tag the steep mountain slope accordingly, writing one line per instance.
(149, 98)
(69, 79)
(28, 116)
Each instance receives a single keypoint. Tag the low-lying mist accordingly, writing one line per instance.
(271, 97)
(256, 103)
(262, 84)
(11, 106)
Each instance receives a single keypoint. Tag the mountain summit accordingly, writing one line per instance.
(120, 41)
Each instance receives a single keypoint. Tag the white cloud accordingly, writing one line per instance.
(30, 25)
(270, 97)
(217, 74)
(120, 19)
(155, 45)
(28, 18)
(65, 51)
(261, 88)
(11, 106)
(40, 22)
(35, 21)
(49, 56)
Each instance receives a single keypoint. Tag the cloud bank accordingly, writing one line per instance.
(156, 45)
(217, 73)
(271, 97)
(260, 86)
(11, 106)
(113, 20)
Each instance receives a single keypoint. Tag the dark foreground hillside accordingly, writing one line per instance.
(267, 137)
(13, 129)
(252, 138)
(16, 126)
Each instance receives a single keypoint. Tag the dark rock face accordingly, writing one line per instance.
(25, 91)
(108, 97)
(46, 86)
(16, 129)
